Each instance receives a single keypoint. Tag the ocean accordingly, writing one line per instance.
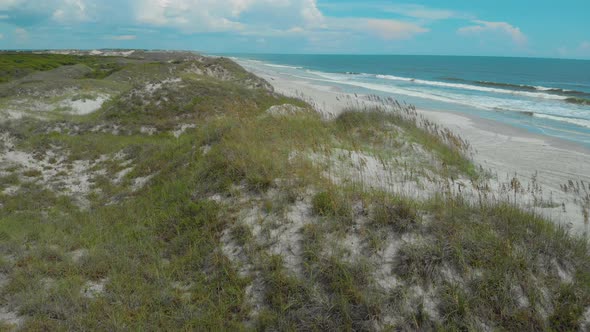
(545, 96)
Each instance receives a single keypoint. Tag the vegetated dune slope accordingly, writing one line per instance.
(171, 191)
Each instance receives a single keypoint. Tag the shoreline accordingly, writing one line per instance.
(504, 151)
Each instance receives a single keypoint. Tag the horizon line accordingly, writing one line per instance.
(296, 53)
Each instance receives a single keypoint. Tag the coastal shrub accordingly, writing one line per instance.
(313, 236)
(352, 305)
(323, 204)
(455, 307)
(233, 161)
(332, 204)
(291, 302)
(32, 173)
(344, 278)
(14, 65)
(420, 262)
(570, 304)
(356, 118)
(190, 217)
(368, 124)
(400, 215)
(242, 234)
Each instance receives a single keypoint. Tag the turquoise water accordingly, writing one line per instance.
(534, 94)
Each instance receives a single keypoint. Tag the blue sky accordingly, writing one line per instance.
(539, 28)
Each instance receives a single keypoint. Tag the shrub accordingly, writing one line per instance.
(420, 262)
(399, 214)
(331, 204)
(33, 173)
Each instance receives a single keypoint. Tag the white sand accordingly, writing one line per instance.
(504, 150)
(85, 106)
(182, 128)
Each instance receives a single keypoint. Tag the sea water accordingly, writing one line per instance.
(544, 96)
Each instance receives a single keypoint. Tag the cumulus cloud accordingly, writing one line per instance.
(269, 18)
(233, 15)
(123, 37)
(60, 11)
(582, 50)
(71, 11)
(423, 12)
(404, 9)
(513, 32)
(21, 34)
(9, 4)
(189, 15)
(394, 30)
(256, 20)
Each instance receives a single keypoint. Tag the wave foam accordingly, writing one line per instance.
(480, 102)
(579, 122)
(280, 66)
(488, 103)
(473, 87)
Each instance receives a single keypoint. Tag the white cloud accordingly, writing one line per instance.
(29, 6)
(195, 16)
(61, 11)
(1, 36)
(394, 30)
(513, 32)
(21, 34)
(4, 17)
(414, 11)
(123, 37)
(70, 11)
(422, 12)
(581, 51)
(257, 20)
(269, 18)
(9, 4)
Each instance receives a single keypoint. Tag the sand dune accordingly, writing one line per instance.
(505, 151)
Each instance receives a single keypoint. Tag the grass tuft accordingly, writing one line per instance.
(401, 215)
(332, 204)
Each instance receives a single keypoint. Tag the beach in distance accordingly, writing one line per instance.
(516, 113)
(544, 96)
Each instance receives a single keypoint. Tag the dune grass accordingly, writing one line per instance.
(15, 65)
(361, 258)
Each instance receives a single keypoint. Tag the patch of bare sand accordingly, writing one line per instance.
(85, 106)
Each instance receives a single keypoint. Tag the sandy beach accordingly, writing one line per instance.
(504, 151)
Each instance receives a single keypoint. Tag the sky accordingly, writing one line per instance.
(528, 28)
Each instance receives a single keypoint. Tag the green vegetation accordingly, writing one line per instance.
(372, 124)
(19, 64)
(331, 204)
(247, 220)
(397, 213)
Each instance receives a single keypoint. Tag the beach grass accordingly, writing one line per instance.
(249, 220)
